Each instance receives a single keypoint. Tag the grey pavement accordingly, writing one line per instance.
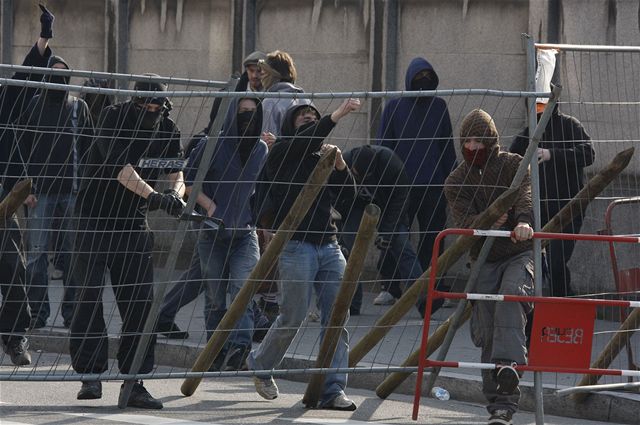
(402, 339)
(225, 401)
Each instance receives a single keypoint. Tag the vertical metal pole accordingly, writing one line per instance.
(376, 18)
(391, 44)
(249, 24)
(161, 286)
(535, 197)
(122, 40)
(237, 35)
(7, 31)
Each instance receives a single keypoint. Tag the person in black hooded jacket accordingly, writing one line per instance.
(381, 179)
(14, 311)
(53, 136)
(312, 258)
(563, 153)
(116, 191)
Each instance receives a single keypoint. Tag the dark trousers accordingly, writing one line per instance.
(14, 310)
(398, 264)
(428, 205)
(127, 255)
(559, 251)
(185, 290)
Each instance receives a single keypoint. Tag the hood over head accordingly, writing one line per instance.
(288, 127)
(53, 95)
(478, 124)
(416, 66)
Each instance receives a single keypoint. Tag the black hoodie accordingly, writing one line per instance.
(289, 165)
(562, 177)
(53, 135)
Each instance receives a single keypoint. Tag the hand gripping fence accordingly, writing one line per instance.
(544, 354)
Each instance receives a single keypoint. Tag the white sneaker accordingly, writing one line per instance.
(266, 387)
(384, 298)
(340, 402)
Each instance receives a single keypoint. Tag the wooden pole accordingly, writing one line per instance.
(294, 217)
(14, 199)
(365, 236)
(435, 340)
(610, 352)
(445, 261)
(593, 188)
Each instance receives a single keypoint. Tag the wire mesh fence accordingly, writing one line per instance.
(98, 171)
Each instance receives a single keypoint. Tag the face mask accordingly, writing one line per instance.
(148, 120)
(305, 126)
(58, 79)
(247, 124)
(476, 158)
(424, 83)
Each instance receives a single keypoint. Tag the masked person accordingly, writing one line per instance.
(190, 283)
(115, 194)
(381, 180)
(497, 327)
(14, 310)
(228, 255)
(97, 101)
(418, 130)
(53, 133)
(312, 258)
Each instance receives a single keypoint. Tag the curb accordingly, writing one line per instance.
(604, 406)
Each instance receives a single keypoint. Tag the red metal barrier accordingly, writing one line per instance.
(565, 325)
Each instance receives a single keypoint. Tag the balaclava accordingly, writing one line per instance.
(428, 82)
(248, 132)
(150, 120)
(478, 125)
(52, 95)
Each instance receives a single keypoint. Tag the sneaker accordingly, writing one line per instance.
(141, 398)
(313, 316)
(340, 402)
(172, 331)
(18, 350)
(384, 298)
(500, 417)
(57, 274)
(90, 390)
(236, 358)
(266, 387)
(507, 379)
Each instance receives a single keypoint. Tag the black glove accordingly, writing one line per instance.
(383, 242)
(46, 22)
(169, 201)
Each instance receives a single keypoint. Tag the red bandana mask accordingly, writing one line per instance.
(476, 157)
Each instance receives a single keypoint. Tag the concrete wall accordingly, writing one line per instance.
(337, 46)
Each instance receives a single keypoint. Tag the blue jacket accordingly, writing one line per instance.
(419, 131)
(228, 182)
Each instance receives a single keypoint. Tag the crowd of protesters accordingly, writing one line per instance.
(87, 156)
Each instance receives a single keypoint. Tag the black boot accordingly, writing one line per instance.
(90, 390)
(141, 398)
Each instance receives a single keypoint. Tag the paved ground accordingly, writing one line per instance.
(225, 401)
(234, 401)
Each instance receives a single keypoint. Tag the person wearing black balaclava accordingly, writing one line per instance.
(116, 191)
(14, 311)
(53, 135)
(380, 179)
(227, 256)
(418, 130)
(97, 102)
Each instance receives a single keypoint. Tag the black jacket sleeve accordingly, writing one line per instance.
(520, 143)
(395, 186)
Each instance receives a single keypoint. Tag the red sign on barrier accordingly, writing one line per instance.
(561, 335)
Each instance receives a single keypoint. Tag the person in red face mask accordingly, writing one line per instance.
(498, 328)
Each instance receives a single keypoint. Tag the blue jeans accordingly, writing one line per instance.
(39, 230)
(226, 264)
(305, 267)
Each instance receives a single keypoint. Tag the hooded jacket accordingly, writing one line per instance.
(571, 149)
(274, 109)
(120, 141)
(228, 182)
(53, 135)
(289, 164)
(384, 183)
(13, 101)
(419, 131)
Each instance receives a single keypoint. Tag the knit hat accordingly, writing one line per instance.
(479, 125)
(253, 58)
